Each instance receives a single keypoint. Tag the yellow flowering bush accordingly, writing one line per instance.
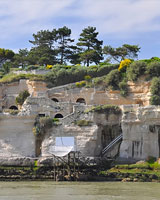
(124, 63)
(49, 66)
(80, 84)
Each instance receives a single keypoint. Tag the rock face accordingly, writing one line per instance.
(141, 132)
(90, 139)
(140, 125)
(86, 139)
(9, 91)
(16, 137)
(139, 93)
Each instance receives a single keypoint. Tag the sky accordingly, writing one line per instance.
(117, 21)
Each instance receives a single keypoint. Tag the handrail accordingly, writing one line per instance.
(112, 143)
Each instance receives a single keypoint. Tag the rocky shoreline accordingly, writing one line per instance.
(48, 173)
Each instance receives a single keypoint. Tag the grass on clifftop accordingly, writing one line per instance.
(9, 78)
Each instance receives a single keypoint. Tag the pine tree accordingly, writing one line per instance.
(65, 49)
(91, 47)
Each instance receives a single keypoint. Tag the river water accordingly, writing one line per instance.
(48, 190)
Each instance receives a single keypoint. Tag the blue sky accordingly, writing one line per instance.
(117, 21)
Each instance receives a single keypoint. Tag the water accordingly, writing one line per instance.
(45, 190)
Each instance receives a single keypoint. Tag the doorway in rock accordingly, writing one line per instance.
(13, 107)
(55, 100)
(59, 115)
(81, 100)
(109, 133)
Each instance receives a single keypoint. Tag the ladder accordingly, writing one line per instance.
(111, 144)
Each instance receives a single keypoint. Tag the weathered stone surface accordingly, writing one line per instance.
(16, 137)
(140, 129)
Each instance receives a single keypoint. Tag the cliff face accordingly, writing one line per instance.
(139, 93)
(9, 91)
(139, 125)
(141, 132)
(16, 136)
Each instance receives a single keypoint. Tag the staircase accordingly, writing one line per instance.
(111, 144)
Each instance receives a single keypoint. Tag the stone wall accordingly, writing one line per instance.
(9, 91)
(86, 139)
(139, 93)
(16, 137)
(89, 140)
(36, 71)
(42, 105)
(141, 135)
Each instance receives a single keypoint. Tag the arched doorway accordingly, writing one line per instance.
(55, 100)
(58, 115)
(13, 108)
(81, 100)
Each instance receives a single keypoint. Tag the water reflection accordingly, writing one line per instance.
(78, 191)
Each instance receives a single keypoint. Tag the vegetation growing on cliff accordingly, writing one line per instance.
(155, 91)
(107, 108)
(42, 124)
(20, 99)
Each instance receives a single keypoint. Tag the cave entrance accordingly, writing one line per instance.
(58, 115)
(81, 100)
(55, 100)
(13, 108)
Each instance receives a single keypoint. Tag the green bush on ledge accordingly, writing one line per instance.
(20, 99)
(107, 108)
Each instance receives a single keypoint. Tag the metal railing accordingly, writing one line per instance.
(111, 144)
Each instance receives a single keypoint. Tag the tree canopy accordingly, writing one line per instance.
(5, 54)
(121, 53)
(91, 47)
(58, 47)
(64, 47)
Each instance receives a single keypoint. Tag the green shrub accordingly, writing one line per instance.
(155, 91)
(105, 69)
(135, 70)
(46, 122)
(153, 59)
(154, 100)
(41, 125)
(22, 97)
(153, 69)
(151, 159)
(112, 79)
(107, 108)
(55, 120)
(155, 86)
(98, 81)
(87, 78)
(123, 86)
